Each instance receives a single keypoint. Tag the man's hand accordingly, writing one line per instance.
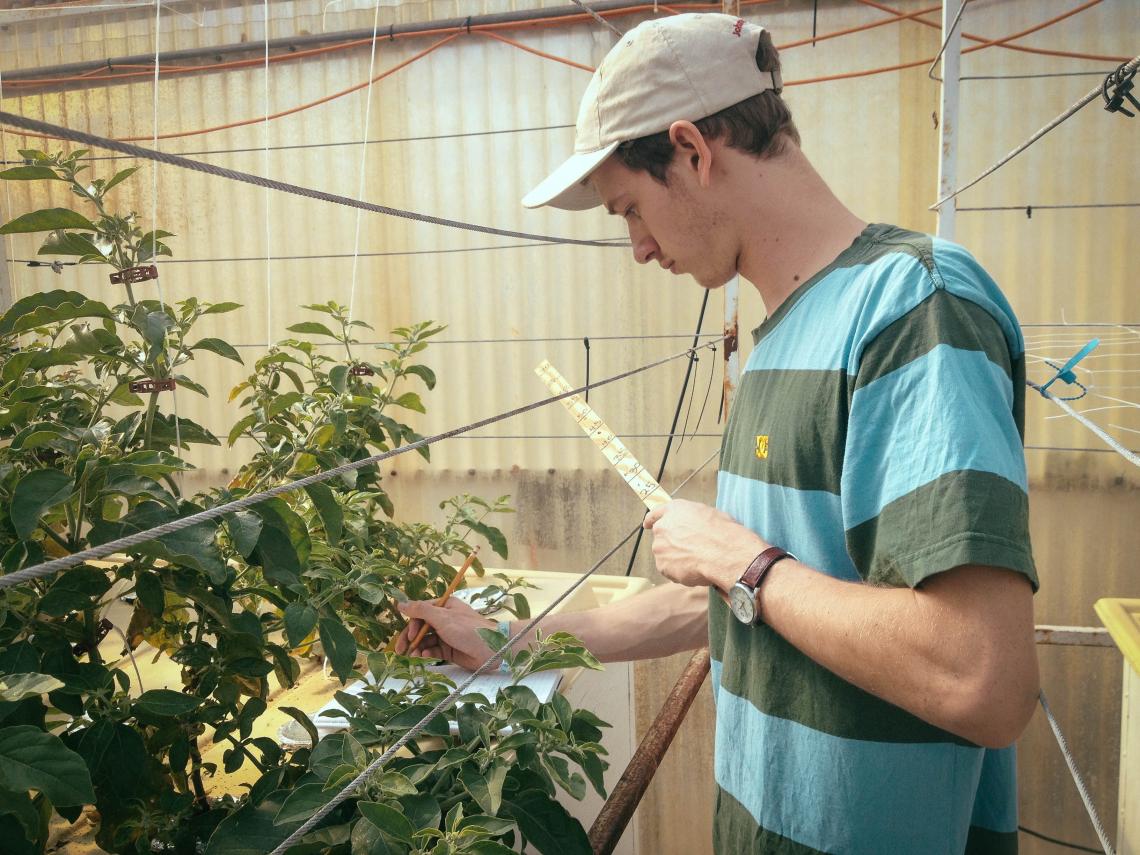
(695, 544)
(451, 632)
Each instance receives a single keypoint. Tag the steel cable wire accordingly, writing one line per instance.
(49, 568)
(97, 141)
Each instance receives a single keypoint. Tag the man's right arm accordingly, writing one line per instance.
(667, 619)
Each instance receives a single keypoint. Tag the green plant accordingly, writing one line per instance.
(485, 780)
(83, 460)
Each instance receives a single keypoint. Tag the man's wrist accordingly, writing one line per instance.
(734, 565)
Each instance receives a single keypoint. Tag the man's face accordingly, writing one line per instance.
(668, 224)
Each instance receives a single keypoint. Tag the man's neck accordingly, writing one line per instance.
(793, 226)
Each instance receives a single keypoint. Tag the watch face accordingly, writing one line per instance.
(743, 603)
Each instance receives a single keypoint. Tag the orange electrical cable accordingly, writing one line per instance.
(298, 109)
(858, 29)
(984, 42)
(536, 52)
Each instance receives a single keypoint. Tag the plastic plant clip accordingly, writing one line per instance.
(1065, 372)
(132, 275)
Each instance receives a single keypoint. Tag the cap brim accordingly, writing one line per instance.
(566, 187)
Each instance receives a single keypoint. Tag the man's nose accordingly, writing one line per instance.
(645, 248)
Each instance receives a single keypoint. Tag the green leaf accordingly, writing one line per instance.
(75, 590)
(395, 784)
(424, 373)
(329, 511)
(220, 308)
(35, 494)
(338, 378)
(148, 588)
(282, 402)
(20, 806)
(339, 646)
(221, 348)
(486, 789)
(410, 401)
(284, 545)
(491, 824)
(303, 802)
(119, 177)
(49, 219)
(16, 687)
(300, 618)
(311, 328)
(489, 847)
(240, 427)
(70, 243)
(251, 830)
(494, 537)
(30, 173)
(421, 809)
(245, 529)
(50, 307)
(193, 547)
(167, 703)
(387, 819)
(33, 760)
(546, 824)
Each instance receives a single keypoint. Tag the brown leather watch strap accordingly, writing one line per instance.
(761, 564)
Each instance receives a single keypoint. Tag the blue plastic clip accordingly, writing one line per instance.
(1065, 372)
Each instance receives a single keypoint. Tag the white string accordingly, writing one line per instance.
(8, 204)
(268, 192)
(154, 220)
(363, 158)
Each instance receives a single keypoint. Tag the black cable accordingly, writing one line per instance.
(1059, 842)
(673, 427)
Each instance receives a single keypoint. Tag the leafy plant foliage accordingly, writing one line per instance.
(84, 460)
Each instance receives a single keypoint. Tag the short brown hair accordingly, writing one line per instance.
(761, 125)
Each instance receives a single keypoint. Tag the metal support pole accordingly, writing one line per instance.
(626, 796)
(948, 126)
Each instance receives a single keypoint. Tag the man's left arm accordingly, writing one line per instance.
(957, 650)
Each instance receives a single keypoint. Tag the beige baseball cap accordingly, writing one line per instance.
(682, 67)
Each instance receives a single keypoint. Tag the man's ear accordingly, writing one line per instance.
(693, 151)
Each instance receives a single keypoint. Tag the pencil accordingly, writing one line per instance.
(451, 588)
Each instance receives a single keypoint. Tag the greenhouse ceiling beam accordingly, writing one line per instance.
(295, 43)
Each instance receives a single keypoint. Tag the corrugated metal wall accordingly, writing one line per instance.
(874, 139)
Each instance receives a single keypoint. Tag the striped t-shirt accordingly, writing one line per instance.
(877, 435)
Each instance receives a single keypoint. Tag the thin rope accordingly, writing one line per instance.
(49, 568)
(462, 687)
(1077, 779)
(946, 41)
(154, 222)
(295, 146)
(599, 18)
(268, 193)
(1087, 99)
(622, 242)
(363, 158)
(85, 138)
(7, 201)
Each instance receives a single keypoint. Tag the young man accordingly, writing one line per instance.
(869, 686)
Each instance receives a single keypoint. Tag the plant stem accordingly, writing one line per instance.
(148, 430)
(55, 536)
(201, 800)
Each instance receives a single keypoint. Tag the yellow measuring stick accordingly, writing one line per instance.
(634, 474)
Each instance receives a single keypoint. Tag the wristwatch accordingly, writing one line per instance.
(742, 595)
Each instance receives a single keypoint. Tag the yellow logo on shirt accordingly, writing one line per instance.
(762, 447)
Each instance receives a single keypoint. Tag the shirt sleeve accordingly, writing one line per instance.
(934, 467)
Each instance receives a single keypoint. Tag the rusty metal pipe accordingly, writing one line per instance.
(626, 796)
